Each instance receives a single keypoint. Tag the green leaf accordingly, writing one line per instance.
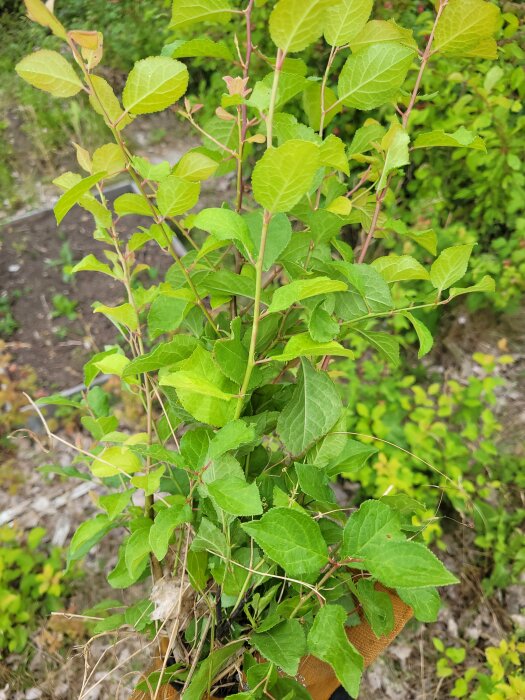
(374, 75)
(366, 138)
(292, 539)
(450, 266)
(426, 341)
(166, 314)
(196, 166)
(379, 31)
(377, 607)
(154, 84)
(312, 103)
(211, 666)
(285, 174)
(486, 284)
(209, 539)
(226, 283)
(177, 196)
(314, 482)
(74, 194)
(195, 383)
(115, 503)
(137, 551)
(344, 20)
(113, 461)
(187, 12)
(327, 641)
(386, 344)
(164, 525)
(49, 71)
(203, 390)
(284, 645)
(353, 457)
(124, 314)
(236, 497)
(196, 48)
(462, 138)
(407, 565)
(314, 408)
(374, 527)
(105, 102)
(232, 358)
(131, 203)
(109, 159)
(295, 24)
(279, 235)
(225, 225)
(397, 268)
(87, 535)
(149, 482)
(150, 171)
(302, 345)
(322, 327)
(163, 355)
(425, 602)
(232, 436)
(333, 154)
(466, 28)
(295, 291)
(91, 264)
(395, 145)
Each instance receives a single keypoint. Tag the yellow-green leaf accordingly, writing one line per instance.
(49, 71)
(294, 24)
(374, 75)
(466, 28)
(285, 174)
(115, 460)
(187, 12)
(344, 20)
(177, 196)
(154, 84)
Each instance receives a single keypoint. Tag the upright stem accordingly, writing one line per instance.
(373, 225)
(424, 60)
(256, 315)
(165, 230)
(406, 116)
(281, 55)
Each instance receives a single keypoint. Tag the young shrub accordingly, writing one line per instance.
(254, 564)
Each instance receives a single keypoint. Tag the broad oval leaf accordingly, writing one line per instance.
(327, 641)
(154, 84)
(292, 539)
(113, 461)
(373, 76)
(49, 71)
(466, 28)
(284, 175)
(295, 24)
(450, 266)
(284, 645)
(176, 196)
(187, 12)
(295, 291)
(313, 410)
(344, 20)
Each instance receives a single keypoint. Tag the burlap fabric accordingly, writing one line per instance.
(314, 674)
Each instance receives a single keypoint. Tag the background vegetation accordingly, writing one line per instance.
(451, 419)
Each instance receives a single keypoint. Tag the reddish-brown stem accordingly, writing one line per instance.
(424, 60)
(361, 182)
(373, 225)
